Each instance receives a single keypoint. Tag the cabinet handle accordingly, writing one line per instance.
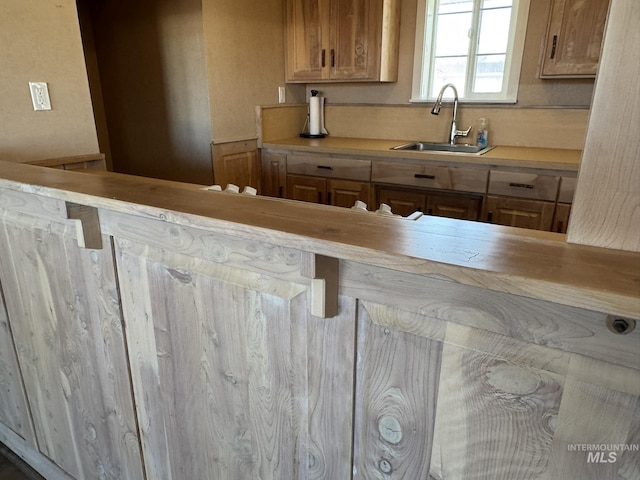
(322, 58)
(554, 44)
(324, 167)
(522, 185)
(280, 191)
(333, 58)
(423, 175)
(329, 198)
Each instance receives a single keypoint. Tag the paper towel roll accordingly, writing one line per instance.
(314, 115)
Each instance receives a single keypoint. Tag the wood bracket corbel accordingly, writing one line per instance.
(87, 223)
(323, 272)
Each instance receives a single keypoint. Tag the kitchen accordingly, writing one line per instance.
(370, 268)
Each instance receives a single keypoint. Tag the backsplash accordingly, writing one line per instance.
(522, 127)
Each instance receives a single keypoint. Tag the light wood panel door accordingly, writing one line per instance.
(233, 376)
(342, 40)
(515, 212)
(462, 207)
(237, 163)
(574, 38)
(402, 201)
(306, 189)
(14, 413)
(274, 175)
(63, 304)
(345, 193)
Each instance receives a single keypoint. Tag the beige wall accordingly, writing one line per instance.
(532, 92)
(245, 61)
(40, 41)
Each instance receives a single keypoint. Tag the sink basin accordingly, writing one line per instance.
(442, 147)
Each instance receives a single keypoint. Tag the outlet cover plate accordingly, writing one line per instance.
(40, 95)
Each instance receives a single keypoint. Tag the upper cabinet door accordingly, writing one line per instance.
(574, 38)
(307, 40)
(342, 40)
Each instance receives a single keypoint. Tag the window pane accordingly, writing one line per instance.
(449, 70)
(454, 6)
(452, 37)
(494, 31)
(489, 74)
(497, 3)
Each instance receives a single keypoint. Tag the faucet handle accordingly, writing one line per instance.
(462, 133)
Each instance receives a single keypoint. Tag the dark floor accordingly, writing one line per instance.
(13, 468)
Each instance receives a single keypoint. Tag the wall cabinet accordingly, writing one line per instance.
(574, 38)
(342, 40)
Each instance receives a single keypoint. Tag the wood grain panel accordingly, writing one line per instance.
(244, 380)
(14, 413)
(496, 414)
(67, 328)
(606, 209)
(534, 321)
(396, 393)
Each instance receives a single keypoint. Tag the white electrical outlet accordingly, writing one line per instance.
(281, 95)
(40, 95)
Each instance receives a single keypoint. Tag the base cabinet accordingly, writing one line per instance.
(517, 212)
(274, 167)
(329, 191)
(455, 205)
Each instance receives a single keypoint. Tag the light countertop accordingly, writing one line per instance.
(504, 156)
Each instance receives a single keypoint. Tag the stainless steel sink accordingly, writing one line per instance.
(442, 147)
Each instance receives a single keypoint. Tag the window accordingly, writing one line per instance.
(474, 44)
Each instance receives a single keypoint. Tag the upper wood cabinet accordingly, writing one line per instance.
(574, 37)
(342, 40)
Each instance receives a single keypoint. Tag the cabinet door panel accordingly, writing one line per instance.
(574, 38)
(306, 189)
(14, 411)
(64, 309)
(354, 44)
(403, 202)
(273, 174)
(236, 379)
(514, 212)
(306, 39)
(454, 206)
(397, 385)
(345, 193)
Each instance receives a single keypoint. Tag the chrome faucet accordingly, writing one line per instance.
(455, 133)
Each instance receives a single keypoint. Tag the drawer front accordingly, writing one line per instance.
(330, 167)
(567, 189)
(430, 176)
(524, 185)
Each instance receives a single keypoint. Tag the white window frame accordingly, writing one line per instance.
(423, 52)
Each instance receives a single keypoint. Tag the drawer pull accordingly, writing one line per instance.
(324, 167)
(522, 185)
(423, 175)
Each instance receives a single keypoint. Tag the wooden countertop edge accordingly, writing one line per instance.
(499, 156)
(538, 264)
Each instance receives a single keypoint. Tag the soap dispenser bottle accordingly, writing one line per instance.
(483, 134)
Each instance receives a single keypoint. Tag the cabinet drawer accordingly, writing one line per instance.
(330, 167)
(430, 176)
(524, 185)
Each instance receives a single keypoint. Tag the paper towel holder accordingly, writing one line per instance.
(305, 133)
